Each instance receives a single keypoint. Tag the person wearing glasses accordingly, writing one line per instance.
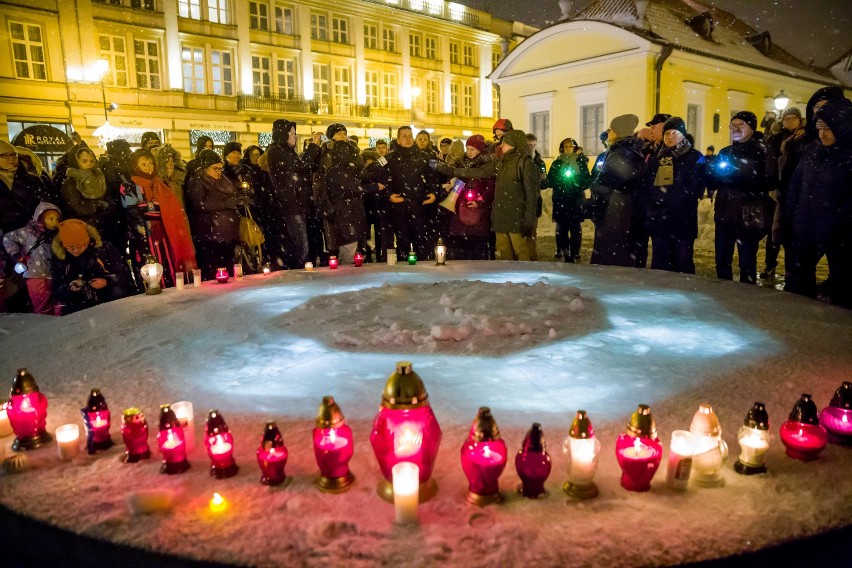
(743, 211)
(212, 204)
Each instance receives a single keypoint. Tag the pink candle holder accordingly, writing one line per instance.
(359, 259)
(171, 442)
(533, 463)
(406, 430)
(483, 459)
(220, 446)
(333, 448)
(332, 262)
(134, 432)
(27, 413)
(802, 434)
(96, 417)
(272, 456)
(836, 418)
(222, 275)
(638, 451)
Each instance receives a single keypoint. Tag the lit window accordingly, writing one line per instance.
(371, 36)
(258, 16)
(414, 45)
(192, 59)
(467, 100)
(261, 76)
(339, 30)
(286, 78)
(112, 49)
(189, 9)
(222, 72)
(454, 98)
(28, 51)
(217, 11)
(432, 48)
(284, 20)
(454, 52)
(319, 27)
(389, 91)
(389, 40)
(147, 55)
(371, 83)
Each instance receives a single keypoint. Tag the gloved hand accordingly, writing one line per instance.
(441, 167)
(527, 231)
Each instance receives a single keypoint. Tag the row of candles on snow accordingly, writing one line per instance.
(152, 271)
(405, 438)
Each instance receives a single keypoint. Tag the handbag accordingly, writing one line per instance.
(756, 214)
(250, 232)
(469, 216)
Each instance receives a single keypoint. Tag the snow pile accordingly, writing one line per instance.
(643, 336)
(447, 317)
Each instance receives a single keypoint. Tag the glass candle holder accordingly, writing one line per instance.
(219, 443)
(332, 262)
(333, 448)
(583, 450)
(272, 456)
(96, 417)
(358, 259)
(27, 412)
(533, 463)
(801, 433)
(222, 275)
(711, 451)
(134, 432)
(836, 418)
(483, 459)
(754, 438)
(440, 253)
(638, 451)
(68, 441)
(171, 442)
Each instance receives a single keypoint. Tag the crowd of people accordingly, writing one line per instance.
(80, 237)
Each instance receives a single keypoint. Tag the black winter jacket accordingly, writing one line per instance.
(672, 210)
(738, 175)
(212, 209)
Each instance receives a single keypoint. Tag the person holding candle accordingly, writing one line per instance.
(212, 203)
(470, 227)
(569, 177)
(158, 223)
(85, 270)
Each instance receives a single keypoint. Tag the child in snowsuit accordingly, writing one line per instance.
(29, 246)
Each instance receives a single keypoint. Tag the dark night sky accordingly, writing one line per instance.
(809, 29)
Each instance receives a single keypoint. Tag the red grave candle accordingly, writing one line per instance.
(332, 262)
(836, 418)
(333, 447)
(171, 442)
(272, 456)
(134, 432)
(638, 451)
(801, 433)
(27, 413)
(359, 259)
(220, 446)
(483, 459)
(533, 463)
(222, 275)
(96, 417)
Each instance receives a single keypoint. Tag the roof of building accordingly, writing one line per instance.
(677, 22)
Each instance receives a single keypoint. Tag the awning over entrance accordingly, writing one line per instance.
(43, 139)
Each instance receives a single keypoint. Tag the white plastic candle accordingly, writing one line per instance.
(5, 425)
(238, 271)
(196, 277)
(179, 280)
(68, 441)
(406, 492)
(681, 450)
(584, 454)
(183, 412)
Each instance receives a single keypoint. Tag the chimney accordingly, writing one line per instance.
(567, 6)
(641, 10)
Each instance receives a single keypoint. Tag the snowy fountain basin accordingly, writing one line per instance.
(668, 340)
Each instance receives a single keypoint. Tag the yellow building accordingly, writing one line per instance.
(643, 57)
(228, 68)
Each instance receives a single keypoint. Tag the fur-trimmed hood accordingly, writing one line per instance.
(59, 250)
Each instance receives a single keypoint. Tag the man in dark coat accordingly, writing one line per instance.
(821, 196)
(743, 211)
(286, 200)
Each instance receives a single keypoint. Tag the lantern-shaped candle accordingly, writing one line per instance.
(27, 411)
(801, 433)
(171, 442)
(96, 417)
(186, 418)
(440, 253)
(483, 458)
(220, 446)
(272, 456)
(134, 432)
(267, 268)
(333, 448)
(332, 262)
(412, 256)
(222, 275)
(152, 273)
(405, 429)
(533, 463)
(753, 438)
(583, 450)
(638, 451)
(309, 267)
(359, 259)
(837, 416)
(711, 451)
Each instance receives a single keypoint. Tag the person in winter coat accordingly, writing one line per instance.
(675, 181)
(29, 248)
(515, 195)
(159, 225)
(470, 227)
(346, 217)
(500, 128)
(202, 143)
(743, 208)
(32, 164)
(569, 177)
(821, 196)
(613, 193)
(213, 217)
(411, 186)
(85, 270)
(286, 200)
(86, 195)
(171, 169)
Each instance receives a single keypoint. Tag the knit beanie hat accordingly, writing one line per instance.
(794, 111)
(73, 233)
(147, 137)
(624, 125)
(207, 158)
(748, 117)
(6, 148)
(334, 129)
(503, 124)
(232, 147)
(675, 123)
(477, 141)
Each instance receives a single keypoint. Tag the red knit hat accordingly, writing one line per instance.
(477, 141)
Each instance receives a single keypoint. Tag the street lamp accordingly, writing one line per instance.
(781, 101)
(106, 132)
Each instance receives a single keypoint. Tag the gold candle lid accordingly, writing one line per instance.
(642, 424)
(329, 414)
(705, 422)
(404, 389)
(484, 427)
(581, 427)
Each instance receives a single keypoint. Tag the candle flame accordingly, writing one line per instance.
(637, 445)
(486, 452)
(217, 499)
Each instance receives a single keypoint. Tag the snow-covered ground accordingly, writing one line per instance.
(534, 341)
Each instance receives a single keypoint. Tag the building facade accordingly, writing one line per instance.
(643, 57)
(228, 68)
